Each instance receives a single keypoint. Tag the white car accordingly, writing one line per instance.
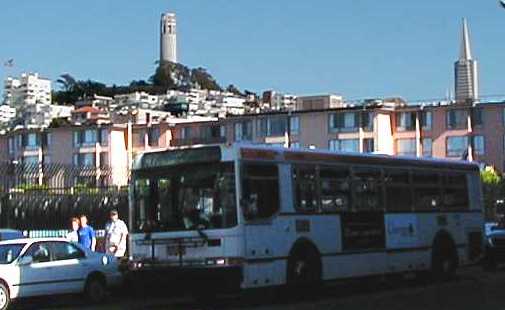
(48, 266)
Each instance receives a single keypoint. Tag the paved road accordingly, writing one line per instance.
(473, 289)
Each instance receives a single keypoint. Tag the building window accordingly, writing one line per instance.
(90, 137)
(186, 132)
(368, 145)
(367, 121)
(346, 121)
(426, 120)
(276, 126)
(153, 136)
(406, 147)
(261, 127)
(344, 145)
(84, 159)
(138, 138)
(427, 147)
(243, 131)
(31, 160)
(104, 160)
(104, 136)
(477, 117)
(238, 132)
(12, 145)
(48, 139)
(294, 125)
(406, 121)
(478, 145)
(32, 141)
(457, 119)
(457, 146)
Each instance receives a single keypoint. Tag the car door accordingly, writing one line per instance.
(70, 267)
(37, 278)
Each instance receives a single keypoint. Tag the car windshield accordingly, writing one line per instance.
(186, 197)
(9, 252)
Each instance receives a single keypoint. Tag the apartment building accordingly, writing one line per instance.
(454, 131)
(30, 88)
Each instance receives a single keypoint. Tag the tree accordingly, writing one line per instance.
(200, 77)
(492, 188)
(67, 82)
(234, 90)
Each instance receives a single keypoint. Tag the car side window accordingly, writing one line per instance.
(65, 250)
(40, 252)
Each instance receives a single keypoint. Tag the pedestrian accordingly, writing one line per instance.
(73, 235)
(86, 234)
(116, 233)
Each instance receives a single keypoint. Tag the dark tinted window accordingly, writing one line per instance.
(65, 250)
(40, 252)
(456, 191)
(335, 185)
(367, 188)
(306, 194)
(260, 190)
(427, 190)
(398, 190)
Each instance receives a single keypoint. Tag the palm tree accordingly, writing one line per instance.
(67, 82)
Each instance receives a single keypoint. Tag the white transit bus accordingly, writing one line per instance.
(250, 216)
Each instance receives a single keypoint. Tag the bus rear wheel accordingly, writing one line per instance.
(304, 268)
(444, 260)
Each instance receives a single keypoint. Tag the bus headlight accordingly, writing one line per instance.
(105, 260)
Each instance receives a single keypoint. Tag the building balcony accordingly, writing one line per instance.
(193, 141)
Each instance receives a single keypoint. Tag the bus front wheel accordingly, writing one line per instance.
(444, 259)
(304, 268)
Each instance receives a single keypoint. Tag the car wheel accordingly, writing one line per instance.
(95, 289)
(5, 299)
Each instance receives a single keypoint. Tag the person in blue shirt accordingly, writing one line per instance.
(86, 234)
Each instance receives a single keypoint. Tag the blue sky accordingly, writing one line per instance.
(358, 48)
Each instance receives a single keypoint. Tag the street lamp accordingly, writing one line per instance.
(502, 3)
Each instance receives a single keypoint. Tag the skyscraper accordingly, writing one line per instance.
(465, 69)
(168, 38)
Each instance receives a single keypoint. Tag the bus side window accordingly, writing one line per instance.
(260, 190)
(456, 191)
(335, 184)
(398, 190)
(426, 190)
(367, 189)
(306, 193)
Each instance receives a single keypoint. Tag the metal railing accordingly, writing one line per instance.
(41, 197)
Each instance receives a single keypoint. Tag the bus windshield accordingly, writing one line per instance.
(186, 197)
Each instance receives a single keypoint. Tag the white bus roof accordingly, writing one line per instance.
(205, 153)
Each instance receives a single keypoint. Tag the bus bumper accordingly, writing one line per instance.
(223, 279)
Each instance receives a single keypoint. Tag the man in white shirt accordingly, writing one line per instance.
(116, 233)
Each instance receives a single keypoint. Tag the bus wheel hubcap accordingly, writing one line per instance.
(446, 265)
(300, 267)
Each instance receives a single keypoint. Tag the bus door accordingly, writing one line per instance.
(363, 234)
(260, 201)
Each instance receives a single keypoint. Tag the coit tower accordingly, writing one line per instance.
(168, 38)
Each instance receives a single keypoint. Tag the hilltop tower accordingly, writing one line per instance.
(168, 38)
(465, 71)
